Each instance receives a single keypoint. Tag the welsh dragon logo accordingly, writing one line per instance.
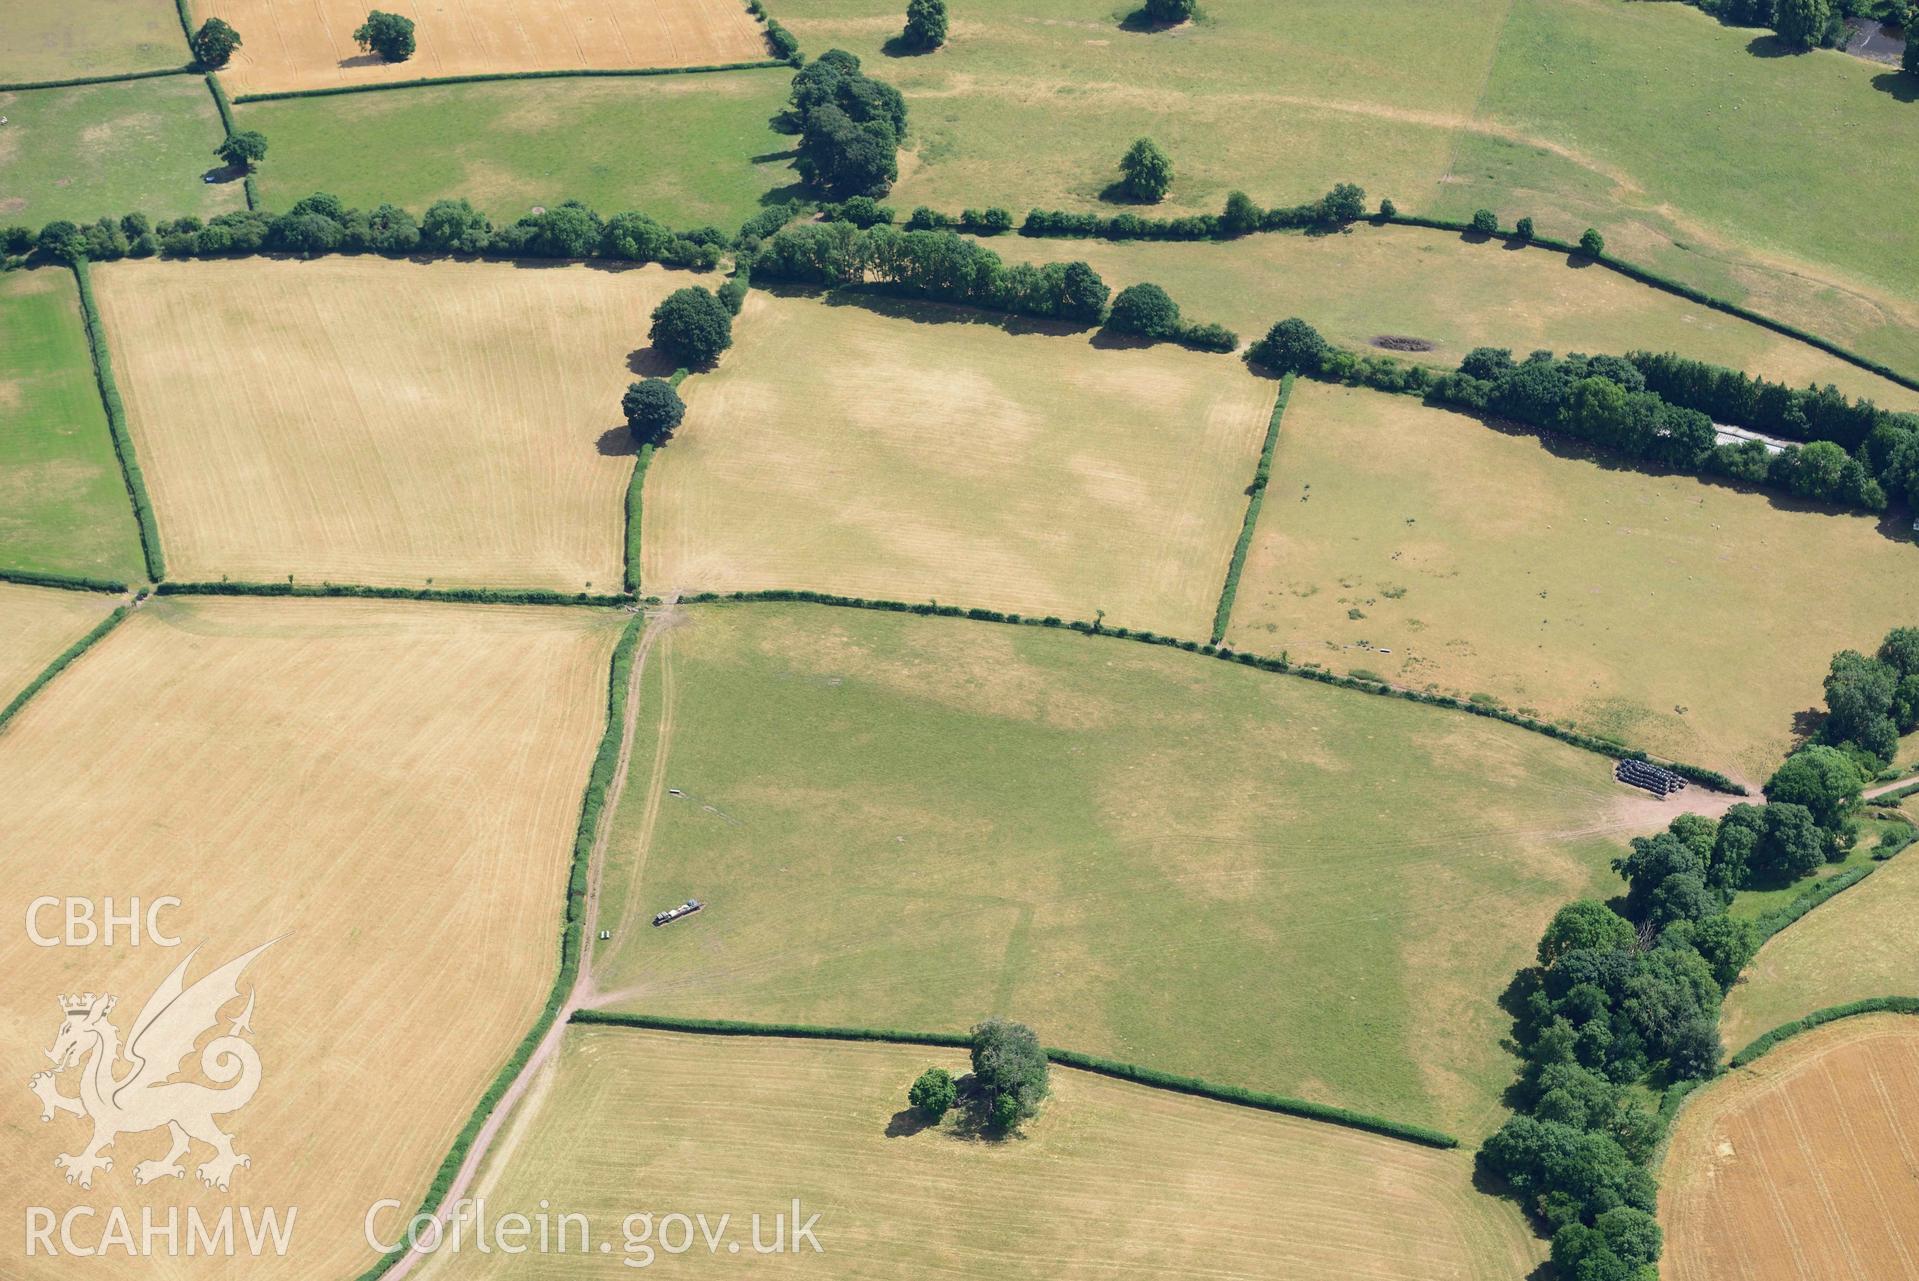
(142, 1097)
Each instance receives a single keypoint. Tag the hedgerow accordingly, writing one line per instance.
(61, 663)
(1819, 1018)
(488, 77)
(117, 425)
(1607, 747)
(592, 802)
(1778, 919)
(452, 595)
(74, 82)
(635, 489)
(1224, 614)
(71, 582)
(1066, 1058)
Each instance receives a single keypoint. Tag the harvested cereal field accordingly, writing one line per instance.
(392, 423)
(1676, 615)
(1801, 1165)
(310, 45)
(1112, 1182)
(388, 790)
(36, 623)
(1150, 855)
(63, 505)
(905, 451)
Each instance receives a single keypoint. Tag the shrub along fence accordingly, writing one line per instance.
(1224, 614)
(455, 595)
(1065, 1058)
(117, 425)
(1819, 1018)
(1590, 742)
(75, 82)
(70, 582)
(591, 804)
(488, 77)
(61, 663)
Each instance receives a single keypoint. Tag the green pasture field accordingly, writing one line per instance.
(1111, 1182)
(63, 504)
(1145, 854)
(49, 40)
(1676, 615)
(1412, 282)
(105, 150)
(1854, 945)
(687, 149)
(1752, 904)
(1701, 152)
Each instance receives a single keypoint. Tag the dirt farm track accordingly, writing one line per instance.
(1804, 1165)
(308, 44)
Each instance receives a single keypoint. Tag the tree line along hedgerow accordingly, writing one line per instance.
(68, 582)
(1223, 616)
(592, 802)
(1819, 1018)
(1068, 1058)
(60, 664)
(117, 425)
(1610, 748)
(1609, 401)
(450, 595)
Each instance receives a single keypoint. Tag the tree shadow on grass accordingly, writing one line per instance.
(921, 311)
(220, 175)
(906, 1122)
(1116, 193)
(361, 60)
(900, 47)
(649, 362)
(783, 194)
(1109, 339)
(1903, 87)
(1769, 45)
(617, 442)
(1140, 22)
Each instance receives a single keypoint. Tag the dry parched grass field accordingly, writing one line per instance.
(1111, 1181)
(308, 44)
(1857, 945)
(883, 449)
(36, 623)
(1802, 1165)
(363, 420)
(1680, 616)
(390, 791)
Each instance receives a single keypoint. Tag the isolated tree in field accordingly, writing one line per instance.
(214, 43)
(1144, 309)
(653, 409)
(388, 34)
(1800, 23)
(1011, 1070)
(1292, 346)
(1591, 243)
(925, 24)
(1485, 221)
(933, 1093)
(1169, 12)
(244, 149)
(1146, 172)
(692, 327)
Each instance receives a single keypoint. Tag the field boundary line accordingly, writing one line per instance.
(1255, 500)
(490, 77)
(77, 82)
(1816, 895)
(63, 582)
(1766, 1042)
(592, 802)
(1127, 1072)
(442, 595)
(1608, 748)
(130, 474)
(635, 510)
(62, 662)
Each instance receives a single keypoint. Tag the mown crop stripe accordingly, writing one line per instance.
(65, 582)
(1819, 1018)
(60, 664)
(1604, 747)
(1128, 1072)
(1261, 474)
(489, 77)
(592, 802)
(117, 425)
(449, 595)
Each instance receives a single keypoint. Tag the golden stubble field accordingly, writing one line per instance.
(1857, 945)
(1111, 1181)
(1679, 616)
(388, 790)
(372, 421)
(909, 452)
(1802, 1165)
(308, 44)
(36, 623)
